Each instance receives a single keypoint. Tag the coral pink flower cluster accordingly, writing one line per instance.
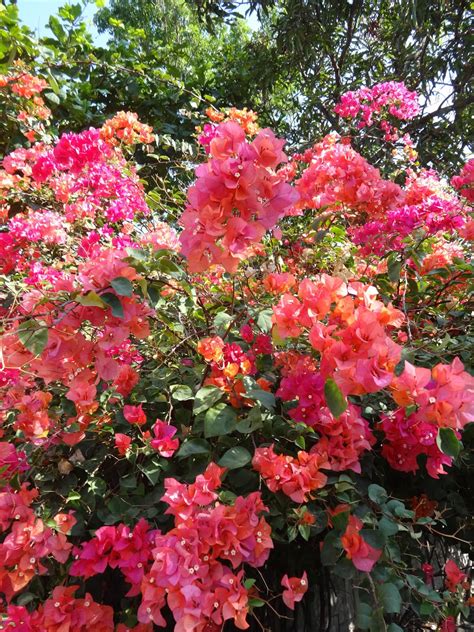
(229, 363)
(348, 326)
(25, 88)
(350, 329)
(464, 182)
(62, 611)
(247, 119)
(117, 547)
(454, 576)
(237, 197)
(23, 83)
(28, 545)
(342, 441)
(339, 178)
(161, 236)
(87, 180)
(369, 106)
(295, 477)
(197, 565)
(126, 127)
(429, 399)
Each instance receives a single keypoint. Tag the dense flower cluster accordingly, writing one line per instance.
(369, 106)
(32, 114)
(86, 180)
(295, 477)
(117, 547)
(101, 389)
(229, 363)
(62, 611)
(348, 328)
(126, 127)
(433, 215)
(27, 542)
(339, 178)
(197, 565)
(237, 197)
(454, 576)
(247, 119)
(429, 400)
(464, 182)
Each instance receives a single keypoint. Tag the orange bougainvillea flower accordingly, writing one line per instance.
(214, 115)
(363, 555)
(211, 348)
(65, 521)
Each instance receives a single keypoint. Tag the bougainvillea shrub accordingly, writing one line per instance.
(203, 419)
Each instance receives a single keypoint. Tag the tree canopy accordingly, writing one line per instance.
(291, 66)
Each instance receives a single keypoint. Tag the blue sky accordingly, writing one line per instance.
(35, 13)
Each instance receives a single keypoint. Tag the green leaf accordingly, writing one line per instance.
(206, 397)
(138, 254)
(219, 420)
(264, 320)
(222, 322)
(91, 299)
(373, 538)
(166, 266)
(393, 627)
(253, 391)
(122, 286)
(377, 621)
(331, 550)
(192, 447)
(335, 400)
(390, 597)
(25, 598)
(397, 508)
(252, 422)
(73, 497)
(152, 469)
(377, 494)
(363, 615)
(300, 442)
(97, 485)
(114, 303)
(448, 443)
(394, 266)
(340, 520)
(426, 608)
(387, 527)
(305, 531)
(256, 603)
(235, 457)
(263, 397)
(52, 97)
(181, 392)
(33, 336)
